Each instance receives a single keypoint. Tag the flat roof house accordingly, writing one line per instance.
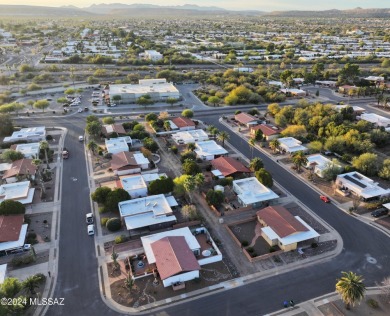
(229, 166)
(117, 145)
(191, 136)
(23, 168)
(319, 163)
(30, 134)
(377, 120)
(209, 150)
(126, 162)
(269, 132)
(290, 145)
(181, 123)
(246, 119)
(152, 211)
(282, 229)
(30, 150)
(18, 191)
(361, 186)
(12, 232)
(137, 185)
(250, 192)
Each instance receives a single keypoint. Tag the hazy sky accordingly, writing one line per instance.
(265, 5)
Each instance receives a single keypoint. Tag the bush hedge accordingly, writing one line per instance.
(114, 224)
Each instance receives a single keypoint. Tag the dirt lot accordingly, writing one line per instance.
(40, 224)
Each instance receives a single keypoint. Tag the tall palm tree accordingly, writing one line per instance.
(274, 145)
(351, 288)
(299, 159)
(222, 136)
(44, 145)
(92, 146)
(189, 186)
(31, 283)
(256, 164)
(252, 144)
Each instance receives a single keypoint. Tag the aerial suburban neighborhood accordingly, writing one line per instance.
(193, 160)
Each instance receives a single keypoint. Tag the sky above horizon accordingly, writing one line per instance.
(264, 5)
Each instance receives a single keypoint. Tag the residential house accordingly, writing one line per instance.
(228, 166)
(209, 150)
(126, 162)
(294, 92)
(137, 185)
(250, 192)
(30, 134)
(20, 169)
(152, 55)
(117, 145)
(346, 89)
(182, 124)
(246, 119)
(30, 150)
(280, 228)
(12, 232)
(18, 191)
(4, 167)
(361, 186)
(117, 129)
(153, 212)
(190, 136)
(269, 132)
(318, 163)
(377, 120)
(290, 145)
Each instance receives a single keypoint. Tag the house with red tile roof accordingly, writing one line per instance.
(12, 232)
(181, 123)
(229, 166)
(20, 169)
(280, 228)
(126, 162)
(269, 132)
(246, 119)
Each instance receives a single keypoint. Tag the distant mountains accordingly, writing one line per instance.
(151, 10)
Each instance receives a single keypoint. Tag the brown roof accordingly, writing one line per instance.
(123, 159)
(267, 130)
(282, 222)
(173, 256)
(228, 166)
(113, 128)
(244, 118)
(182, 122)
(21, 167)
(10, 227)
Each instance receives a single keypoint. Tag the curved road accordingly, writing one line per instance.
(78, 271)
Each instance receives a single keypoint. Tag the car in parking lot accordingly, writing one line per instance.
(324, 198)
(380, 212)
(91, 230)
(89, 218)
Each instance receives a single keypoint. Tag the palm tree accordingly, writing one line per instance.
(31, 283)
(274, 145)
(114, 257)
(191, 146)
(222, 136)
(299, 159)
(256, 164)
(351, 288)
(92, 146)
(44, 145)
(189, 186)
(252, 144)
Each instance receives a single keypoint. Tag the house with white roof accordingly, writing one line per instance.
(377, 120)
(361, 186)
(137, 185)
(29, 150)
(151, 55)
(153, 212)
(250, 192)
(117, 145)
(30, 134)
(318, 163)
(209, 150)
(290, 145)
(191, 136)
(18, 191)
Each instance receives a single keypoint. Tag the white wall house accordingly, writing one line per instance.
(191, 136)
(30, 134)
(29, 150)
(209, 150)
(250, 192)
(18, 191)
(319, 163)
(137, 185)
(290, 145)
(117, 145)
(152, 55)
(377, 120)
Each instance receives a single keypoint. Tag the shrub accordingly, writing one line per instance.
(104, 220)
(250, 249)
(253, 254)
(314, 245)
(102, 209)
(11, 207)
(214, 197)
(372, 303)
(209, 167)
(277, 259)
(120, 239)
(272, 249)
(22, 260)
(114, 224)
(244, 243)
(174, 149)
(49, 137)
(40, 277)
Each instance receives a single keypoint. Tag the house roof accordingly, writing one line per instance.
(182, 122)
(113, 128)
(10, 227)
(20, 167)
(123, 159)
(282, 222)
(244, 118)
(267, 130)
(228, 165)
(173, 256)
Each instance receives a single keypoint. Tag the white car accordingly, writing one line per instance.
(113, 104)
(91, 230)
(89, 218)
(81, 138)
(80, 110)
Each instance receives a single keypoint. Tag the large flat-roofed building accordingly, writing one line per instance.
(30, 134)
(157, 89)
(152, 211)
(250, 192)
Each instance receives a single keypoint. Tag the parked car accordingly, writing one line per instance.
(113, 104)
(80, 110)
(65, 154)
(324, 198)
(89, 218)
(81, 138)
(91, 230)
(26, 247)
(380, 212)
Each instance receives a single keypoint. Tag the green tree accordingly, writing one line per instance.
(114, 197)
(350, 72)
(191, 147)
(6, 126)
(94, 129)
(10, 287)
(367, 163)
(214, 197)
(222, 137)
(161, 186)
(214, 100)
(179, 189)
(92, 146)
(114, 257)
(11, 207)
(264, 177)
(92, 118)
(274, 145)
(384, 172)
(252, 145)
(259, 136)
(41, 104)
(31, 283)
(294, 131)
(187, 113)
(151, 117)
(189, 186)
(108, 120)
(299, 159)
(44, 145)
(100, 194)
(351, 288)
(199, 180)
(256, 164)
(273, 108)
(150, 144)
(280, 120)
(190, 167)
(10, 155)
(315, 146)
(171, 101)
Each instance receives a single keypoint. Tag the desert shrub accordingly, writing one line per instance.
(40, 277)
(114, 224)
(372, 303)
(120, 239)
(314, 245)
(244, 243)
(272, 249)
(104, 220)
(250, 249)
(174, 149)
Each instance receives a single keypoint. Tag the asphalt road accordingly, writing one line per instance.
(78, 270)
